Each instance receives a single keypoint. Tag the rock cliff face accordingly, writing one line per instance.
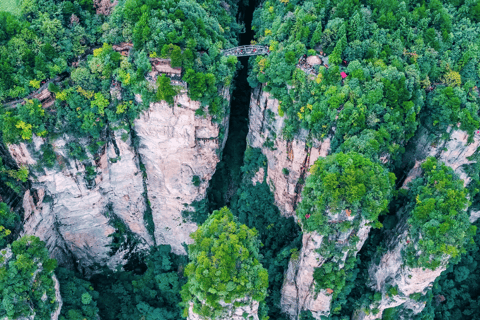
(288, 165)
(175, 145)
(72, 211)
(296, 157)
(232, 313)
(77, 207)
(298, 290)
(392, 272)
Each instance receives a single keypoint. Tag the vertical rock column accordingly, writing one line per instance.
(265, 132)
(69, 213)
(175, 145)
(298, 290)
(392, 271)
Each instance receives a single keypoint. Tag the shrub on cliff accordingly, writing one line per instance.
(224, 267)
(26, 284)
(439, 225)
(344, 182)
(7, 222)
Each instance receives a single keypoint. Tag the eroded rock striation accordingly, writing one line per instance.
(72, 208)
(76, 207)
(392, 271)
(175, 145)
(288, 161)
(298, 290)
(249, 310)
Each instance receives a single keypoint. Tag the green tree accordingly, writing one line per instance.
(7, 222)
(165, 89)
(344, 181)
(439, 225)
(224, 266)
(26, 279)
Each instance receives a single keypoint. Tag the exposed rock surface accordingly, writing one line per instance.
(298, 290)
(265, 132)
(454, 152)
(175, 145)
(392, 271)
(231, 312)
(70, 212)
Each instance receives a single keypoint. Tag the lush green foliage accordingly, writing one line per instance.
(398, 56)
(7, 223)
(25, 278)
(439, 225)
(10, 6)
(165, 90)
(190, 33)
(456, 293)
(39, 43)
(155, 294)
(224, 266)
(340, 182)
(78, 296)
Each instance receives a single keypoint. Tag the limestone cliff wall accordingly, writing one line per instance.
(175, 145)
(296, 156)
(298, 290)
(391, 271)
(73, 211)
(232, 313)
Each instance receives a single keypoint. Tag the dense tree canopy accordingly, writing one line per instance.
(224, 266)
(438, 222)
(25, 277)
(344, 182)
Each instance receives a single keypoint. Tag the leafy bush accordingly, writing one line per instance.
(153, 294)
(78, 296)
(25, 279)
(344, 181)
(456, 293)
(7, 223)
(224, 266)
(439, 225)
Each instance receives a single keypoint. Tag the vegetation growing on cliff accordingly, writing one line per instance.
(224, 266)
(386, 66)
(439, 225)
(102, 85)
(78, 296)
(344, 182)
(398, 58)
(456, 293)
(25, 279)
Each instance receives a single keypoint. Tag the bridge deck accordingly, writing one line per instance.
(246, 51)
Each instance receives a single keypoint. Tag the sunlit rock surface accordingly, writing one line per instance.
(175, 145)
(298, 290)
(74, 212)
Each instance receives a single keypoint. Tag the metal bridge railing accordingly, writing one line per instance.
(246, 51)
